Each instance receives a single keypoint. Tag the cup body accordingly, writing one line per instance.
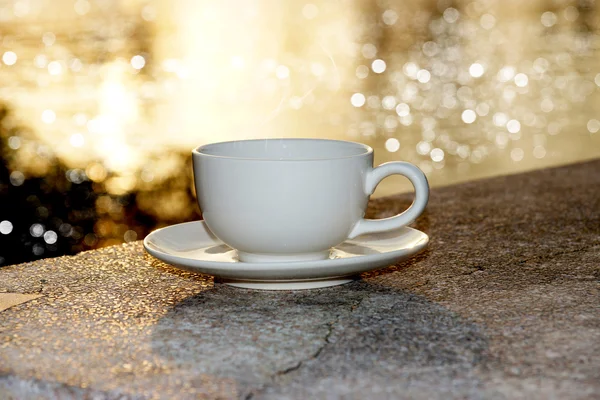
(282, 199)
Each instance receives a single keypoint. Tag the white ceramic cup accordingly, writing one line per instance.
(294, 199)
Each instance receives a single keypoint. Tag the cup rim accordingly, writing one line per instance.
(199, 150)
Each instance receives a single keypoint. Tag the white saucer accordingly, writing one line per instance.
(193, 247)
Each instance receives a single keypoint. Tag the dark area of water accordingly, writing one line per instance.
(54, 215)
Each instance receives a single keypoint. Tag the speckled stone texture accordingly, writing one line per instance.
(505, 303)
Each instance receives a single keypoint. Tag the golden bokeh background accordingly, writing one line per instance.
(102, 100)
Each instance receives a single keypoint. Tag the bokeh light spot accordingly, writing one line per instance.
(388, 102)
(506, 73)
(392, 145)
(521, 80)
(6, 227)
(500, 119)
(517, 154)
(48, 39)
(358, 100)
(482, 109)
(55, 68)
(423, 148)
(451, 15)
(36, 230)
(593, 125)
(378, 66)
(14, 142)
(389, 17)
(513, 126)
(547, 105)
(17, 178)
(437, 154)
(9, 58)
(369, 50)
(476, 70)
(362, 71)
(48, 116)
(548, 19)
(130, 236)
(539, 152)
(138, 62)
(402, 109)
(468, 116)
(50, 237)
(423, 76)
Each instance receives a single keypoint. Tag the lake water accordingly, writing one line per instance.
(104, 100)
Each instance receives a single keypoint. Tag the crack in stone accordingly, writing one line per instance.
(330, 326)
(316, 354)
(251, 392)
(326, 338)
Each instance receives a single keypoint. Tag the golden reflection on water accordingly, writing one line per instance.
(119, 91)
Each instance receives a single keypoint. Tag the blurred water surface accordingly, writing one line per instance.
(103, 100)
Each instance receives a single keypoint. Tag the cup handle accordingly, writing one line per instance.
(374, 177)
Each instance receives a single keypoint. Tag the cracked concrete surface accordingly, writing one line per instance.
(330, 327)
(505, 303)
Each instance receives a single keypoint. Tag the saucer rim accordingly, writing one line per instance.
(236, 265)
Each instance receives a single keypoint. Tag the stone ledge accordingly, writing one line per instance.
(504, 304)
